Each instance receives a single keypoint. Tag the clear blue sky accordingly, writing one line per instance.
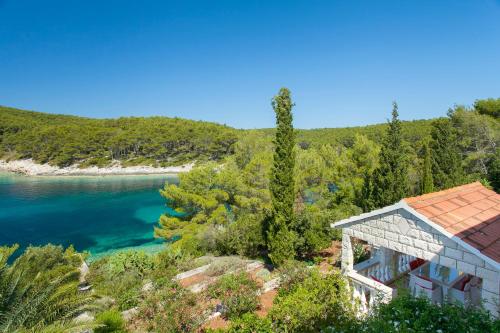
(345, 61)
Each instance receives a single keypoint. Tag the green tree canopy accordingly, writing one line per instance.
(446, 163)
(490, 107)
(427, 179)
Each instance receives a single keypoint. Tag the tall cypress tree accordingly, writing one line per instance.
(280, 240)
(390, 179)
(366, 200)
(427, 179)
(494, 170)
(446, 160)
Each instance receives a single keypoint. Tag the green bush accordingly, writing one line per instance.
(360, 253)
(225, 265)
(42, 263)
(172, 309)
(292, 273)
(313, 230)
(313, 304)
(409, 314)
(244, 237)
(112, 322)
(237, 293)
(251, 323)
(173, 259)
(126, 261)
(121, 276)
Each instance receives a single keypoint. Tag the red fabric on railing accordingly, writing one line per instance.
(374, 278)
(416, 263)
(464, 282)
(424, 278)
(423, 286)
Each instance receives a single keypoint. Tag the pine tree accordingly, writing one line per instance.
(280, 240)
(446, 160)
(427, 179)
(390, 179)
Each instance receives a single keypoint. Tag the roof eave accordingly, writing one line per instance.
(403, 205)
(357, 218)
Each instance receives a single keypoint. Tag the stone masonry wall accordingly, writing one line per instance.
(403, 232)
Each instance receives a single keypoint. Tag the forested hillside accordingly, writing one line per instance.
(64, 140)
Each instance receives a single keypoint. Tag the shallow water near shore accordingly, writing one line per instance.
(95, 214)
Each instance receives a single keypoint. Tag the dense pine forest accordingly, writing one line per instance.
(264, 195)
(64, 140)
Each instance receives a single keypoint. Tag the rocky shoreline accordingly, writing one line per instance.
(30, 168)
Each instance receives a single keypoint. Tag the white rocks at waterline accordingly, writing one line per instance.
(30, 168)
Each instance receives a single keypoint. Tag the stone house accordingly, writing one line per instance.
(443, 245)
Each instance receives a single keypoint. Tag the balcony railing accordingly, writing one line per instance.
(368, 292)
(371, 268)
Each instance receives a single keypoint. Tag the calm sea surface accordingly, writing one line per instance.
(97, 214)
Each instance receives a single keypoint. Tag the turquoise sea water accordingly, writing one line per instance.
(96, 214)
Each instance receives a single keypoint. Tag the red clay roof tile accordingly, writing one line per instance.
(470, 212)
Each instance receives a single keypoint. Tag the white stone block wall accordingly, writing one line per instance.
(401, 231)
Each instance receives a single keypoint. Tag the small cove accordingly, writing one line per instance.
(95, 214)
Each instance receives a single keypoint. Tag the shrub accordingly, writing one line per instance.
(173, 259)
(313, 229)
(409, 314)
(42, 263)
(292, 273)
(360, 253)
(244, 237)
(172, 309)
(121, 276)
(313, 304)
(112, 322)
(126, 261)
(237, 293)
(225, 265)
(251, 323)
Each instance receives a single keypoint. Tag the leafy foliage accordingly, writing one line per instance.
(490, 107)
(172, 309)
(292, 273)
(408, 314)
(111, 321)
(427, 178)
(121, 276)
(313, 304)
(446, 168)
(237, 293)
(251, 323)
(215, 206)
(494, 170)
